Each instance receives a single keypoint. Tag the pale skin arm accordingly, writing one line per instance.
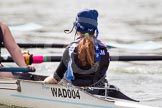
(12, 47)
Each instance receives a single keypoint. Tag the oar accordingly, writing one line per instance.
(41, 59)
(134, 46)
(45, 45)
(40, 45)
(136, 58)
(15, 69)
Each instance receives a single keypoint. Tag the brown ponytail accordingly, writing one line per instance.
(86, 51)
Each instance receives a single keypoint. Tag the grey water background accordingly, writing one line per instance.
(120, 21)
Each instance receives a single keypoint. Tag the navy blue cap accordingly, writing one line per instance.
(86, 21)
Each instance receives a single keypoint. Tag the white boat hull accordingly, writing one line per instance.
(35, 94)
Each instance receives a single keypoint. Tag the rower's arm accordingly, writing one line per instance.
(12, 46)
(61, 69)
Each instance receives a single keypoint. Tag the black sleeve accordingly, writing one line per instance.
(61, 69)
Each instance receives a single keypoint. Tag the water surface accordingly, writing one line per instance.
(120, 21)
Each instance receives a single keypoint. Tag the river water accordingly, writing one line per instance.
(120, 21)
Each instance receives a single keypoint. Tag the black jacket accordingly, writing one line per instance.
(84, 79)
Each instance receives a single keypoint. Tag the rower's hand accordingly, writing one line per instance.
(50, 80)
(31, 67)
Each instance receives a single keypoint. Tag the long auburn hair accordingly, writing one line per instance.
(86, 50)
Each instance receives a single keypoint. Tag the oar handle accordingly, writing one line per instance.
(15, 69)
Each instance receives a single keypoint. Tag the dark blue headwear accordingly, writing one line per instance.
(86, 21)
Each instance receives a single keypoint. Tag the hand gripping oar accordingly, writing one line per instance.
(16, 69)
